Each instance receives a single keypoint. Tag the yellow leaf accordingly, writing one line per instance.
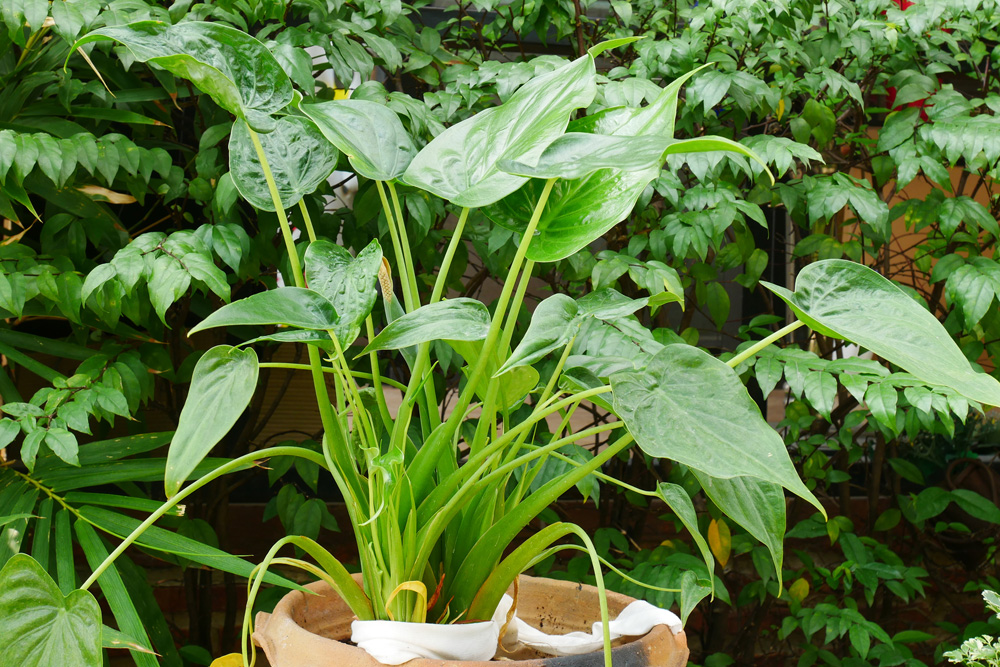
(231, 660)
(110, 196)
(799, 590)
(341, 94)
(781, 108)
(720, 540)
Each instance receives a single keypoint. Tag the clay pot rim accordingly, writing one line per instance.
(278, 634)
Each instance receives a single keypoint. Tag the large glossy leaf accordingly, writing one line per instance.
(577, 154)
(848, 300)
(292, 306)
(454, 319)
(369, 134)
(460, 164)
(688, 406)
(558, 319)
(299, 156)
(222, 385)
(235, 69)
(755, 504)
(581, 210)
(41, 626)
(350, 284)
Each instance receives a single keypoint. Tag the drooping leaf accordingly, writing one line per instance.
(847, 300)
(755, 504)
(299, 156)
(350, 284)
(460, 164)
(454, 319)
(41, 626)
(222, 385)
(292, 306)
(369, 134)
(235, 69)
(679, 502)
(673, 408)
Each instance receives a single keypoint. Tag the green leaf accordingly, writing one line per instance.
(63, 443)
(847, 300)
(553, 324)
(299, 156)
(881, 399)
(581, 210)
(755, 504)
(460, 164)
(292, 306)
(115, 593)
(972, 288)
(222, 385)
(235, 69)
(674, 409)
(576, 154)
(350, 284)
(454, 319)
(41, 625)
(679, 502)
(169, 282)
(369, 134)
(170, 542)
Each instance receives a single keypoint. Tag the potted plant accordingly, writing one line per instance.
(436, 499)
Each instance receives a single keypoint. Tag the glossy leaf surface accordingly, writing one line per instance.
(671, 407)
(577, 154)
(292, 306)
(369, 134)
(455, 319)
(580, 210)
(349, 283)
(235, 69)
(41, 626)
(460, 164)
(299, 156)
(222, 385)
(848, 300)
(680, 503)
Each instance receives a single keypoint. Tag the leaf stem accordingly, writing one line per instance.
(402, 269)
(310, 232)
(279, 209)
(235, 464)
(761, 344)
(449, 255)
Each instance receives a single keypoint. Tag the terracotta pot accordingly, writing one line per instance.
(313, 631)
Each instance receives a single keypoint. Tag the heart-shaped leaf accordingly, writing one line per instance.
(848, 300)
(291, 306)
(454, 319)
(581, 210)
(673, 409)
(460, 164)
(558, 319)
(369, 134)
(350, 284)
(41, 626)
(299, 156)
(235, 69)
(222, 385)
